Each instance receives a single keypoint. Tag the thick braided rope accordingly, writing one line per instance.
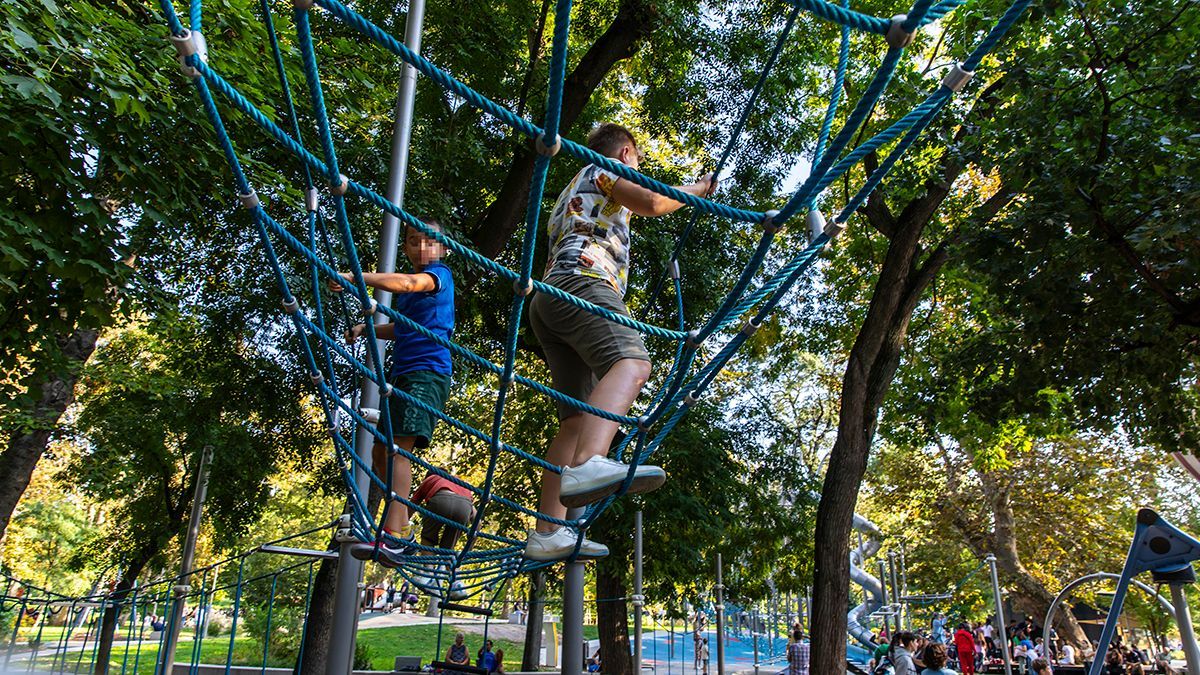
(680, 390)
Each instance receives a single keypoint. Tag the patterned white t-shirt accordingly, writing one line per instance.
(589, 230)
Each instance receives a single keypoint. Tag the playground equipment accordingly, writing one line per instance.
(876, 597)
(1099, 576)
(1162, 548)
(488, 557)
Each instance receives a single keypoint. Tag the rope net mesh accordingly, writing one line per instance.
(487, 558)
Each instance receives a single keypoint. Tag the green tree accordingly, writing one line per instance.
(152, 399)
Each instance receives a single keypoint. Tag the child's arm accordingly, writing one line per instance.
(649, 203)
(396, 282)
(383, 331)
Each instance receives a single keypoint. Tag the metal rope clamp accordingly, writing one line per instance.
(637, 600)
(341, 187)
(539, 144)
(190, 43)
(957, 78)
(834, 228)
(523, 289)
(897, 37)
(312, 199)
(768, 222)
(181, 590)
(250, 200)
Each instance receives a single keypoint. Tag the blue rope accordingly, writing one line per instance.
(487, 558)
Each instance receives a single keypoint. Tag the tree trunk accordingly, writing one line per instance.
(869, 372)
(531, 659)
(612, 617)
(25, 447)
(108, 623)
(1028, 594)
(319, 625)
(635, 20)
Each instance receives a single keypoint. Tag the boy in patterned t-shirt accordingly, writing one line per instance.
(591, 358)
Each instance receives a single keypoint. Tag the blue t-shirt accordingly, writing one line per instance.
(434, 310)
(487, 661)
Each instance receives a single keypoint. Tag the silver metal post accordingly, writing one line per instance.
(572, 616)
(1001, 624)
(349, 570)
(896, 601)
(183, 587)
(720, 620)
(638, 600)
(754, 633)
(904, 591)
(884, 585)
(1183, 620)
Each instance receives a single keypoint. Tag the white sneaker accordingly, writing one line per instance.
(425, 580)
(599, 477)
(560, 544)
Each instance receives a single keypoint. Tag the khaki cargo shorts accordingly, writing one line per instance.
(580, 347)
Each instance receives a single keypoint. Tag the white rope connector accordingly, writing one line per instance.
(693, 339)
(291, 305)
(312, 199)
(957, 78)
(897, 37)
(673, 268)
(181, 589)
(768, 222)
(370, 308)
(186, 44)
(816, 224)
(539, 144)
(370, 414)
(637, 600)
(342, 186)
(691, 398)
(509, 380)
(386, 390)
(643, 423)
(523, 289)
(317, 379)
(249, 201)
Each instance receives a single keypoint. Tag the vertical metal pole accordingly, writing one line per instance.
(638, 600)
(572, 616)
(991, 561)
(904, 590)
(1183, 620)
(349, 569)
(896, 600)
(183, 587)
(720, 620)
(883, 584)
(753, 624)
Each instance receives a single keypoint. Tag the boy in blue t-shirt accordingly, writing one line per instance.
(420, 367)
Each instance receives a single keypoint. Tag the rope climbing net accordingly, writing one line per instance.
(488, 557)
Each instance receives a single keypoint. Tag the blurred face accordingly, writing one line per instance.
(422, 251)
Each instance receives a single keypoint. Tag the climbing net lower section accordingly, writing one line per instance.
(317, 235)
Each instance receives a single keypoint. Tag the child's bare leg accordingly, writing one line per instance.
(397, 513)
(560, 453)
(615, 392)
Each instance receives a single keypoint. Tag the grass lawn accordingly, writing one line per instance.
(382, 646)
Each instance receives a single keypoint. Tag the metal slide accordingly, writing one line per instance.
(871, 586)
